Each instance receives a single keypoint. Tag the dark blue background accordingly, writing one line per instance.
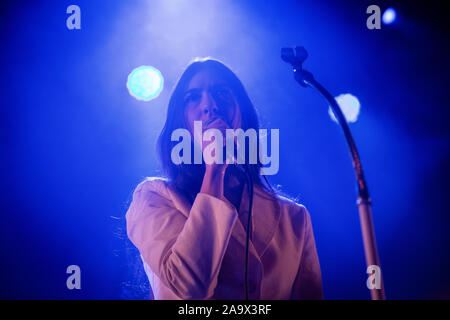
(75, 143)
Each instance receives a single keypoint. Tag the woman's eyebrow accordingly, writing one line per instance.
(221, 86)
(193, 90)
(214, 87)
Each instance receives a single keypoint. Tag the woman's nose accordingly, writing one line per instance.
(209, 107)
(211, 110)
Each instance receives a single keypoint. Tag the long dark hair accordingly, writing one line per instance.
(188, 177)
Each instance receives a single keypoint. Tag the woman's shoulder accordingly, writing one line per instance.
(292, 204)
(289, 205)
(156, 185)
(294, 212)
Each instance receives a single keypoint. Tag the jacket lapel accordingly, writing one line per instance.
(265, 218)
(266, 213)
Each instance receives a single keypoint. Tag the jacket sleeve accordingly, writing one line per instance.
(186, 253)
(308, 282)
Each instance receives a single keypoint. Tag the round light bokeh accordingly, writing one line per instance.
(145, 83)
(349, 105)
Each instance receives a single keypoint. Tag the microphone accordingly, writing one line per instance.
(248, 178)
(244, 169)
(233, 156)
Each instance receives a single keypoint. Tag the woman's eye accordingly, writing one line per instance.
(223, 95)
(191, 98)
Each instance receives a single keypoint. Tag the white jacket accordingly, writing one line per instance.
(198, 251)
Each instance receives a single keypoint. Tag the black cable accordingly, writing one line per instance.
(249, 221)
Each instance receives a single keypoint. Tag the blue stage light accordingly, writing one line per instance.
(389, 16)
(349, 105)
(145, 83)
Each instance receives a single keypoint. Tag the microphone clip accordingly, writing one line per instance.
(295, 57)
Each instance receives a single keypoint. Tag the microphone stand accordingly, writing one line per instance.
(306, 79)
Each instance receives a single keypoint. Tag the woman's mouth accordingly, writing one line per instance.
(207, 123)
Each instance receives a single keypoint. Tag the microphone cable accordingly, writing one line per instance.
(249, 222)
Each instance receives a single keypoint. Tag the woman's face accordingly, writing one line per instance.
(209, 99)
